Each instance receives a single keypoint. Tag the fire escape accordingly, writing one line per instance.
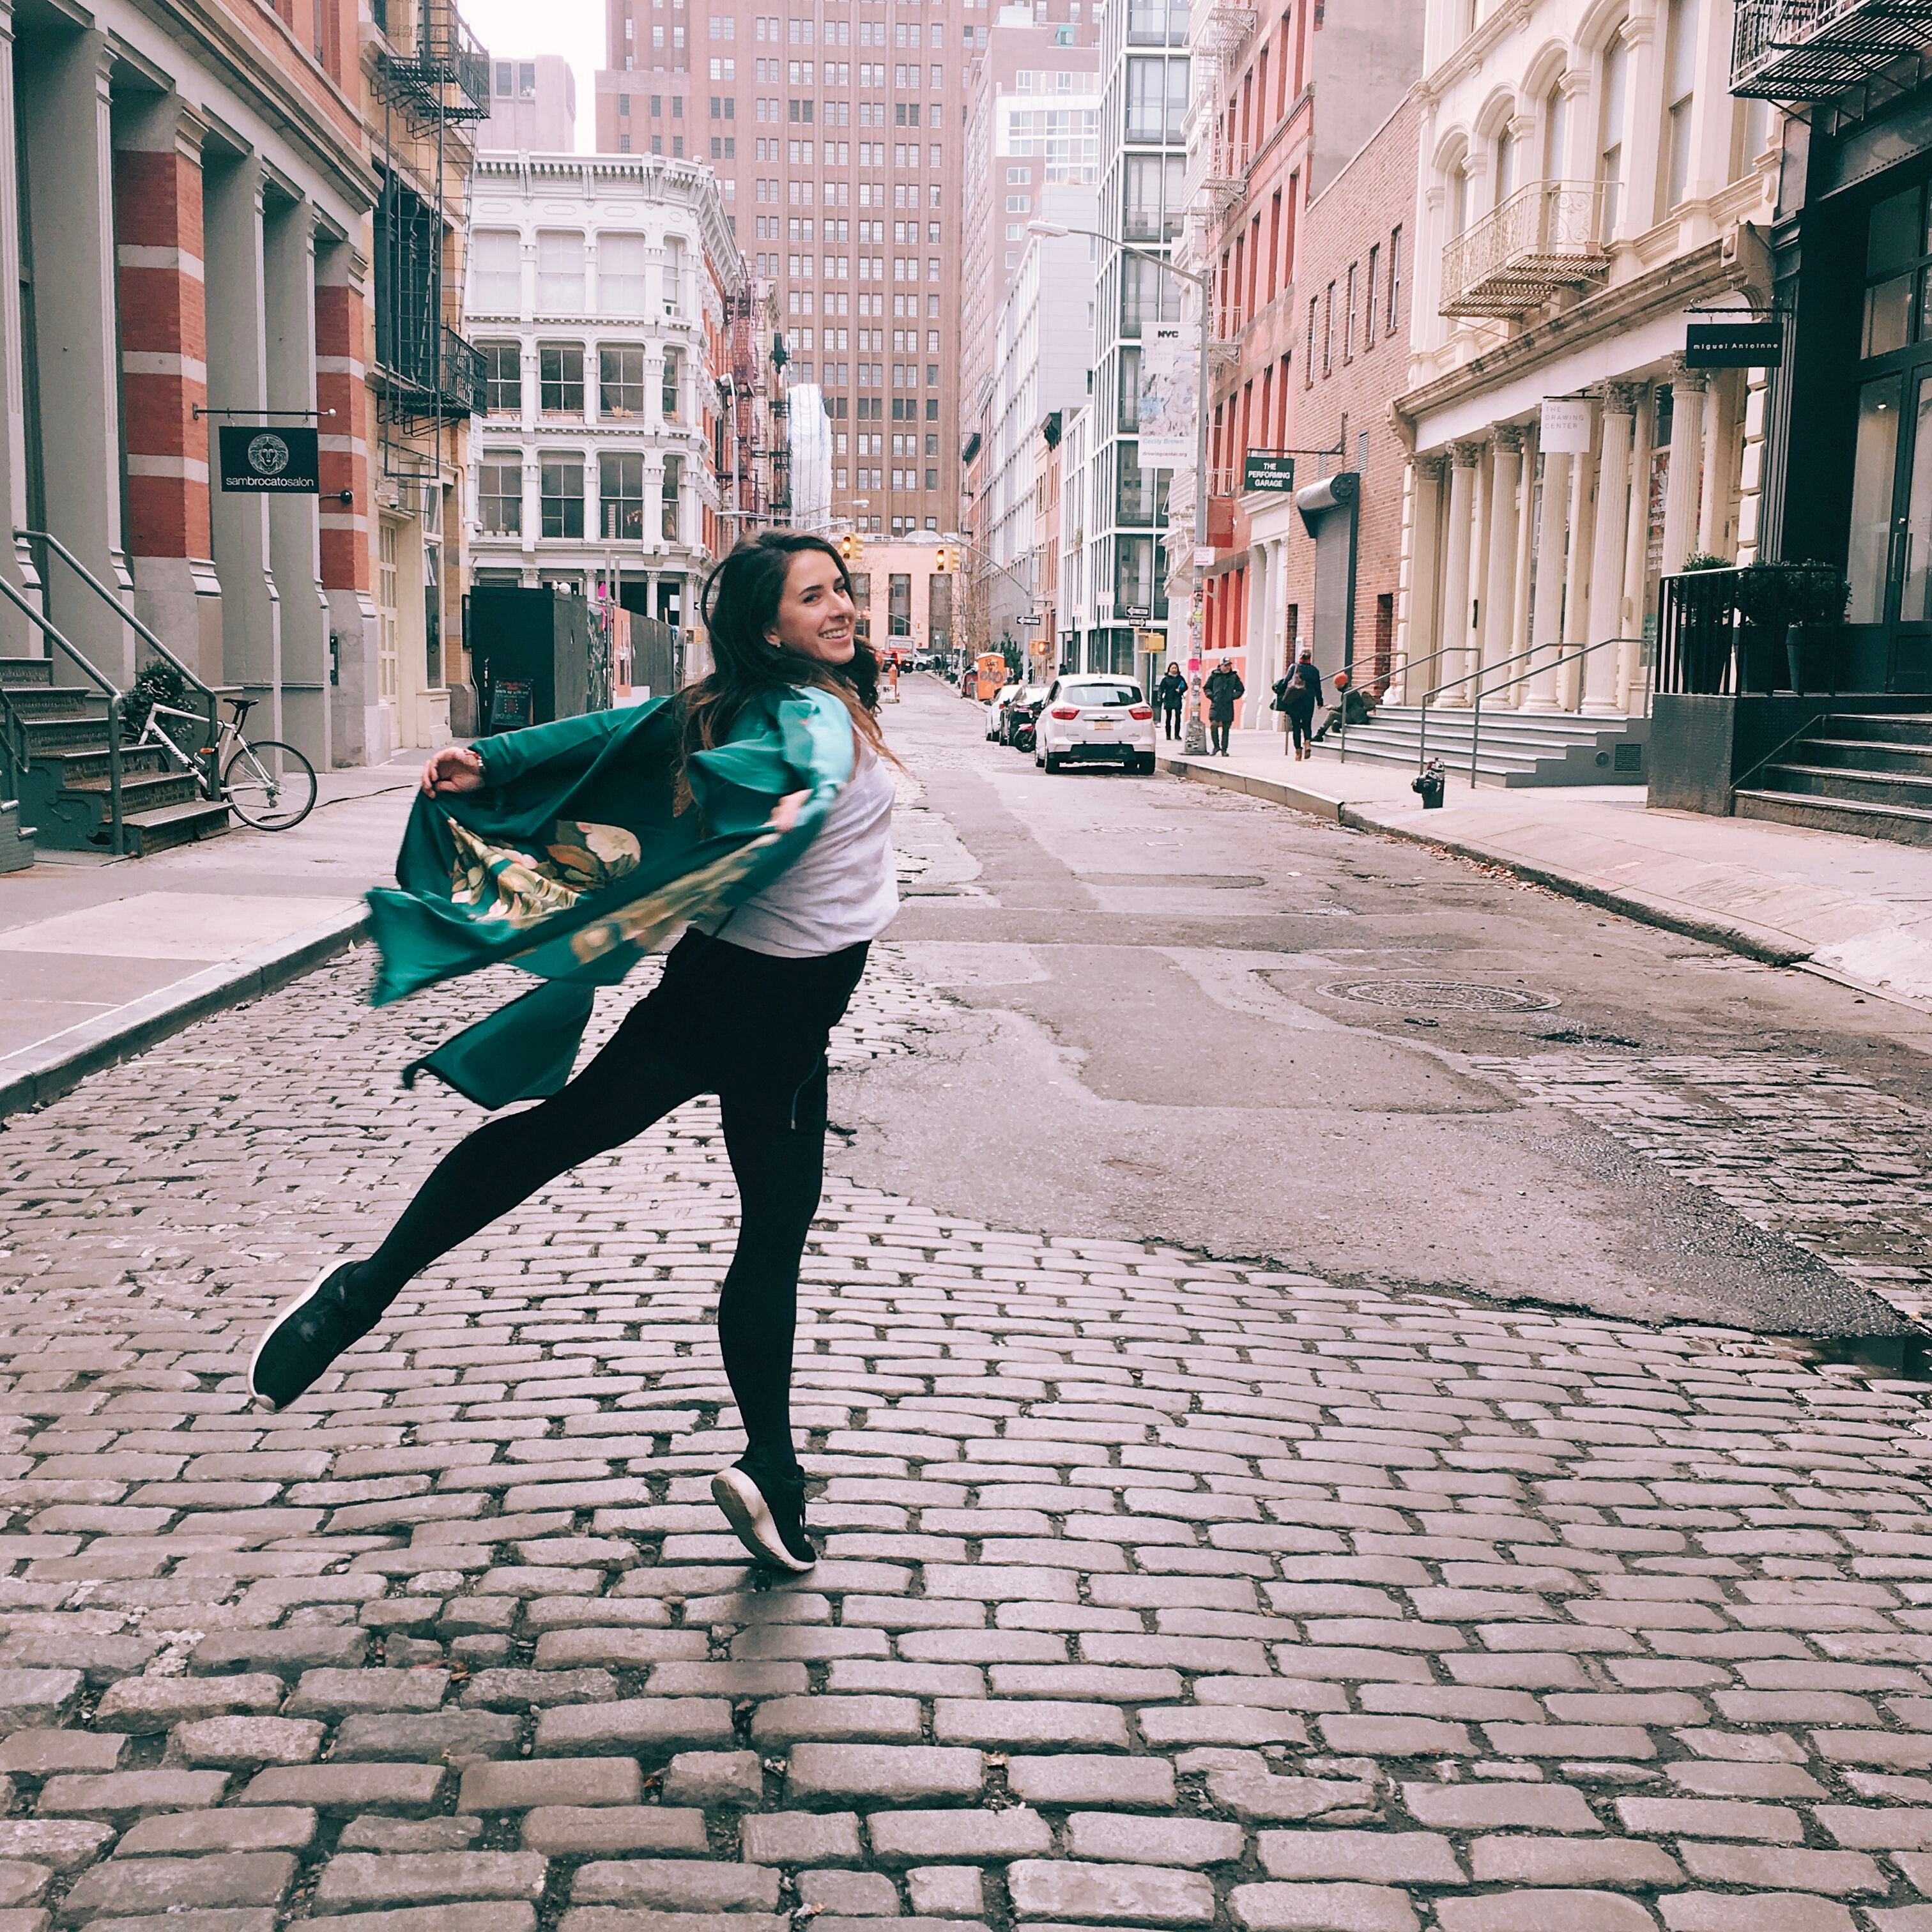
(742, 454)
(432, 80)
(1826, 50)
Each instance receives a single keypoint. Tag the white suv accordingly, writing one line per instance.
(1092, 717)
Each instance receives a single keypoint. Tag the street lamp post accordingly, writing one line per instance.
(1195, 745)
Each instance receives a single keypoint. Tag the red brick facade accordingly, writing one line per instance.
(1357, 235)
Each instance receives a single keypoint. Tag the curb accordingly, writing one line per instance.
(1759, 943)
(39, 1073)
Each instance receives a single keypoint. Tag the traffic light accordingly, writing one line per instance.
(851, 548)
(945, 558)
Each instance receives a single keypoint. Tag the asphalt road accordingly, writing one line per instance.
(1178, 1014)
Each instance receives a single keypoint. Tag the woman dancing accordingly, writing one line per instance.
(748, 999)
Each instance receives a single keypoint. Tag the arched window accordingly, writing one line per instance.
(1680, 90)
(1459, 198)
(1610, 132)
(1555, 133)
(1505, 165)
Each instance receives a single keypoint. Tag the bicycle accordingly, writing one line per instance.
(268, 785)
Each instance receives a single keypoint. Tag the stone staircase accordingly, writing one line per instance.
(1517, 747)
(1868, 776)
(64, 793)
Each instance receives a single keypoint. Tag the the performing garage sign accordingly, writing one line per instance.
(281, 460)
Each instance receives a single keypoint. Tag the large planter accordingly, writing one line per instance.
(1705, 646)
(1763, 666)
(1813, 654)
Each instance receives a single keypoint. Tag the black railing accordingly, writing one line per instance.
(1812, 49)
(1698, 627)
(445, 75)
(461, 384)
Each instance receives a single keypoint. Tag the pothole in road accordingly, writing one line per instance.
(1441, 996)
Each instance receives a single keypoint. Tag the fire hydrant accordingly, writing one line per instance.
(1429, 783)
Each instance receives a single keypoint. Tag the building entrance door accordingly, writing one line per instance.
(1889, 556)
(386, 613)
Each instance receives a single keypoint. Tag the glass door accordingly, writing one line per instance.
(1889, 558)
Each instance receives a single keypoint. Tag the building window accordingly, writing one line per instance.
(500, 492)
(496, 272)
(620, 382)
(559, 272)
(563, 496)
(1679, 94)
(620, 497)
(1328, 331)
(1368, 298)
(620, 274)
(673, 476)
(670, 396)
(560, 378)
(1394, 316)
(1610, 143)
(1156, 99)
(1348, 320)
(503, 379)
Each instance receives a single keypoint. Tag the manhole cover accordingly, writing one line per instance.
(1441, 996)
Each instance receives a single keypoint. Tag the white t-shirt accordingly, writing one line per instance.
(842, 889)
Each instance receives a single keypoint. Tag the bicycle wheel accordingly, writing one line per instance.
(268, 785)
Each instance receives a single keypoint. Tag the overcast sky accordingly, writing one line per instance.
(513, 29)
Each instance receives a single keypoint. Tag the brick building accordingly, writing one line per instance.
(834, 128)
(1282, 105)
(1334, 576)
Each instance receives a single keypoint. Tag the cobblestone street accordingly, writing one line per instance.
(1155, 1592)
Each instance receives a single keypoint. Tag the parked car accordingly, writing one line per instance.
(1017, 727)
(996, 711)
(1092, 717)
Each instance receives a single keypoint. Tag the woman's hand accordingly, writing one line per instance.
(453, 768)
(785, 813)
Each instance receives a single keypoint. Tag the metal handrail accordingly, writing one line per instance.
(1783, 745)
(1480, 671)
(1407, 665)
(210, 694)
(117, 829)
(1536, 670)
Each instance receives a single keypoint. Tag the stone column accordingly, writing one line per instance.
(164, 377)
(63, 106)
(1683, 487)
(1616, 424)
(238, 380)
(1420, 629)
(1720, 459)
(1499, 582)
(355, 733)
(1581, 508)
(1636, 545)
(1262, 597)
(1460, 539)
(1539, 694)
(18, 638)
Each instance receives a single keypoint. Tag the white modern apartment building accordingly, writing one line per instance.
(1078, 614)
(595, 297)
(1042, 361)
(1588, 187)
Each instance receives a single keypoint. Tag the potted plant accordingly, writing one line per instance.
(1815, 640)
(1767, 599)
(1704, 619)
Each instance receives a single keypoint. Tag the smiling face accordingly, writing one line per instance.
(815, 618)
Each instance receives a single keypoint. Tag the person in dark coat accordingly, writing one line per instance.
(1169, 694)
(1297, 695)
(1224, 688)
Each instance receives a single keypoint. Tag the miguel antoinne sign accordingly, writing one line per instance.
(1733, 345)
(283, 460)
(1266, 469)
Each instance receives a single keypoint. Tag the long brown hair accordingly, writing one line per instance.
(739, 605)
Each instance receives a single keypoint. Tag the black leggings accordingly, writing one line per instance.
(751, 1028)
(1300, 723)
(1170, 711)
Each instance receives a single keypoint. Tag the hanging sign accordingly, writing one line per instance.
(1733, 345)
(1565, 427)
(1267, 469)
(284, 461)
(1166, 410)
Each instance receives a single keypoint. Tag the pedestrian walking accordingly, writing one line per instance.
(1170, 692)
(754, 809)
(1297, 694)
(1224, 688)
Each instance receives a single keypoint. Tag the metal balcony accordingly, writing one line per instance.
(1811, 50)
(1224, 178)
(1224, 346)
(442, 73)
(1545, 237)
(1225, 30)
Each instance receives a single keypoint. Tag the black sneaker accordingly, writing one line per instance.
(767, 1509)
(297, 1346)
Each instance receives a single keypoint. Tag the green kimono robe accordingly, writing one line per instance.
(572, 863)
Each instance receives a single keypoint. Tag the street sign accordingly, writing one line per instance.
(1733, 345)
(1564, 429)
(283, 461)
(1267, 469)
(1135, 613)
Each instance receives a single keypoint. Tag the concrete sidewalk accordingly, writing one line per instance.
(1857, 909)
(99, 958)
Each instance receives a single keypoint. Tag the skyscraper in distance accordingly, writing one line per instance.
(835, 128)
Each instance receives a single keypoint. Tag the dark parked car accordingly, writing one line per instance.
(1016, 722)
